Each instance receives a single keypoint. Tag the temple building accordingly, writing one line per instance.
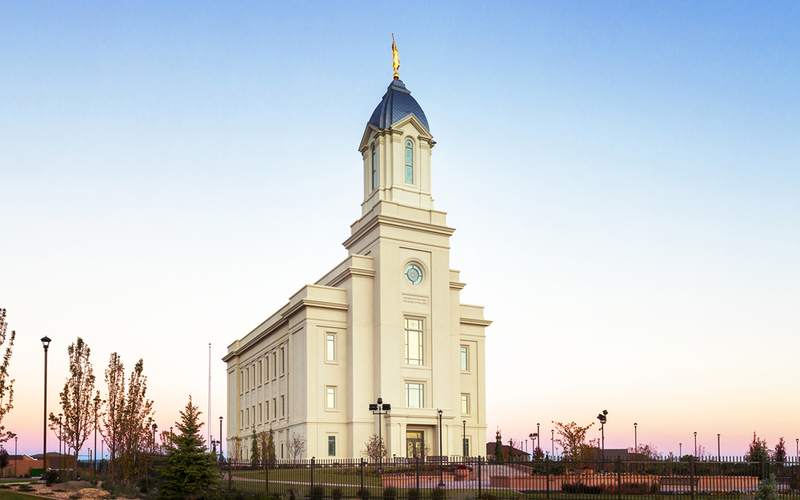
(387, 322)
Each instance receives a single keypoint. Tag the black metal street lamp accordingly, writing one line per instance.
(695, 444)
(602, 418)
(441, 456)
(719, 459)
(798, 446)
(379, 409)
(533, 436)
(680, 450)
(552, 442)
(96, 405)
(635, 438)
(220, 436)
(538, 439)
(16, 459)
(59, 439)
(464, 439)
(46, 345)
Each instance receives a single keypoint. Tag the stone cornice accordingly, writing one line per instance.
(351, 271)
(291, 311)
(457, 285)
(399, 222)
(475, 321)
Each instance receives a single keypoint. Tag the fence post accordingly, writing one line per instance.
(313, 460)
(230, 476)
(417, 457)
(619, 478)
(691, 476)
(362, 476)
(547, 473)
(479, 476)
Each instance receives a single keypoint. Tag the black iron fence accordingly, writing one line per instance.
(471, 477)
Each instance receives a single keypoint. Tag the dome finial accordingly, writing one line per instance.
(395, 59)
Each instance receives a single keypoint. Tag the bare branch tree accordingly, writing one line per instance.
(296, 445)
(5, 385)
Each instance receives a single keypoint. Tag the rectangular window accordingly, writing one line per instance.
(260, 413)
(414, 342)
(331, 446)
(330, 347)
(248, 379)
(274, 408)
(465, 404)
(464, 358)
(330, 398)
(247, 414)
(283, 407)
(241, 419)
(283, 361)
(266, 367)
(415, 395)
(260, 372)
(374, 169)
(242, 380)
(274, 365)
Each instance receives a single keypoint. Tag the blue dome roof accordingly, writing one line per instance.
(396, 104)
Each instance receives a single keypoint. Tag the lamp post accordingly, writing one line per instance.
(464, 438)
(602, 418)
(220, 437)
(96, 404)
(46, 345)
(533, 436)
(798, 446)
(552, 442)
(16, 459)
(379, 409)
(680, 450)
(695, 444)
(538, 440)
(718, 454)
(441, 469)
(59, 439)
(635, 438)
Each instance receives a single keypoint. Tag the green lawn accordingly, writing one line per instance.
(12, 495)
(328, 476)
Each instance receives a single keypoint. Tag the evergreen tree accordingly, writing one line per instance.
(271, 447)
(189, 471)
(498, 447)
(254, 454)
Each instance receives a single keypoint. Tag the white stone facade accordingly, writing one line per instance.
(387, 322)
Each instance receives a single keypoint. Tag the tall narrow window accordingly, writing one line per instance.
(248, 379)
(409, 161)
(274, 365)
(266, 367)
(283, 361)
(260, 372)
(330, 347)
(464, 358)
(465, 404)
(374, 169)
(283, 406)
(415, 395)
(414, 342)
(331, 446)
(330, 397)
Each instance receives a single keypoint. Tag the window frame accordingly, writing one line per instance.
(464, 358)
(409, 162)
(331, 391)
(374, 168)
(409, 333)
(331, 440)
(420, 388)
(465, 401)
(330, 347)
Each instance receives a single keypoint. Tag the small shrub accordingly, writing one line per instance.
(5, 487)
(25, 487)
(317, 493)
(655, 488)
(336, 493)
(50, 477)
(438, 493)
(768, 489)
(363, 494)
(576, 488)
(390, 493)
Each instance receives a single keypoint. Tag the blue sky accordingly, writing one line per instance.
(623, 177)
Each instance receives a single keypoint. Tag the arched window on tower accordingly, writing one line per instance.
(409, 161)
(374, 169)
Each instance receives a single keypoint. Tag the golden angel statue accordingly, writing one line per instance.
(395, 59)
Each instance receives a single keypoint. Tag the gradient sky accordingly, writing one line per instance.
(623, 177)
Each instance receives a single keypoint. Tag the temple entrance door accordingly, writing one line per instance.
(415, 444)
